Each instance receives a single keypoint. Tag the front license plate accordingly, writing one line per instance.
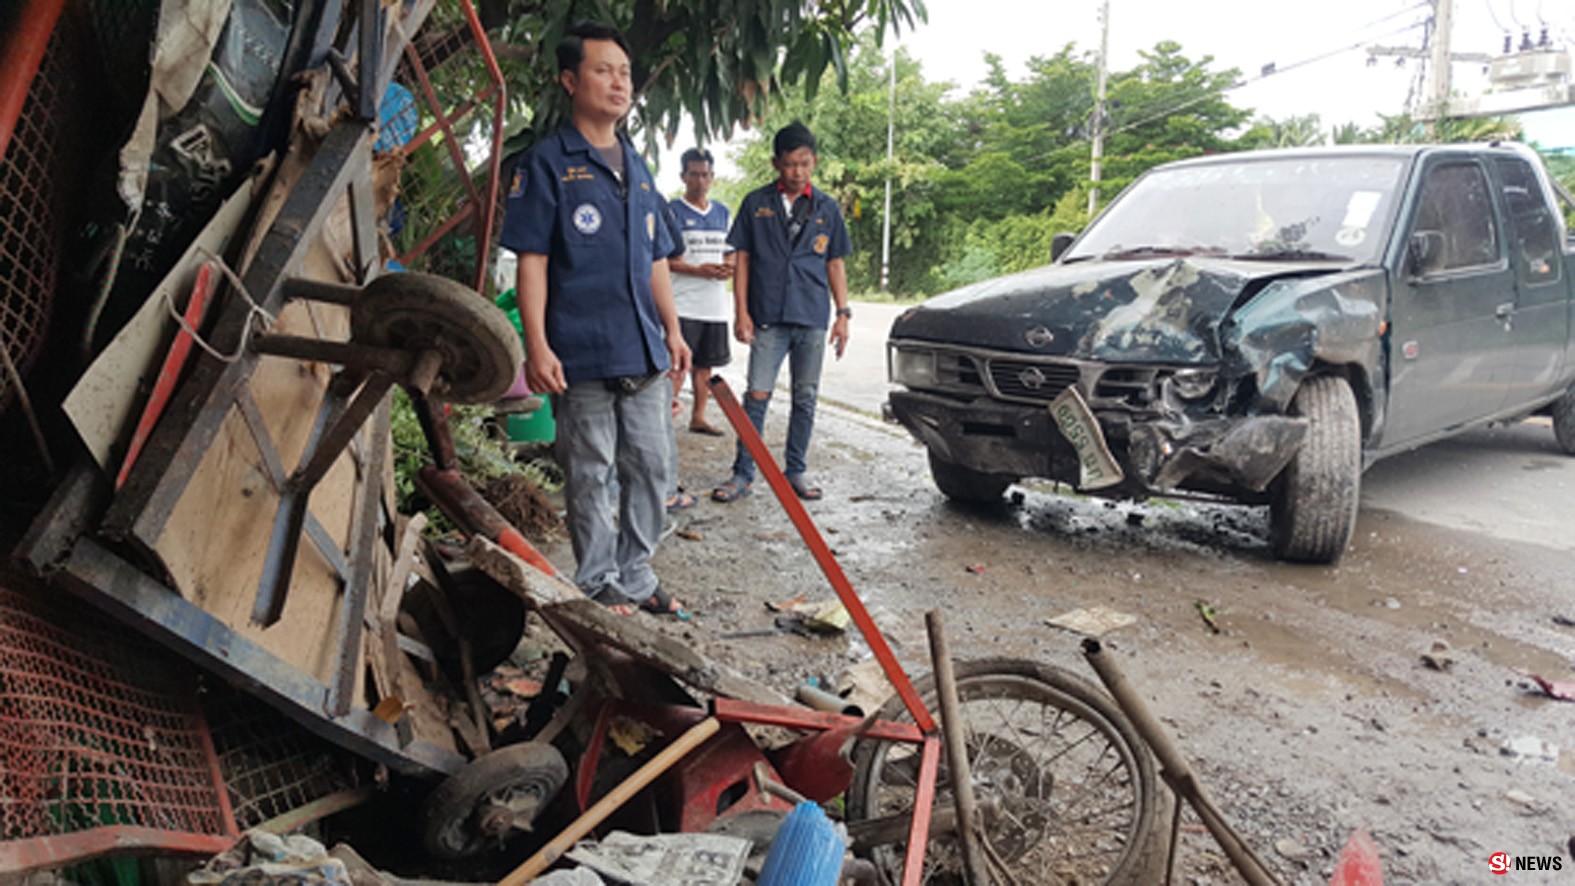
(1097, 468)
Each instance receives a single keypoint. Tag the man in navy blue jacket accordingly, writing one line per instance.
(596, 307)
(789, 240)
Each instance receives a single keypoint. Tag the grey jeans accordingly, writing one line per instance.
(603, 434)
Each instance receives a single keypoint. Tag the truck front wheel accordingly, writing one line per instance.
(966, 484)
(1312, 512)
(1564, 421)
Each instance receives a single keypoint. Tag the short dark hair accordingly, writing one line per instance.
(695, 155)
(790, 138)
(571, 49)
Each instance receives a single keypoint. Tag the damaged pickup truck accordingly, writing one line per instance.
(1257, 327)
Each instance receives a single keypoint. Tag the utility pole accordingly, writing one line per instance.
(1098, 127)
(1439, 64)
(891, 127)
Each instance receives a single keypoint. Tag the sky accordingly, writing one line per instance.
(1319, 49)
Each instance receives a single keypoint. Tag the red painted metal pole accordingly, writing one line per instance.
(923, 805)
(20, 57)
(499, 108)
(169, 373)
(823, 556)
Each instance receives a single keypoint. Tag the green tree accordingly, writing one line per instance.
(715, 60)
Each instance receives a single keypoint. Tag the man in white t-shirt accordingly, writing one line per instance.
(700, 278)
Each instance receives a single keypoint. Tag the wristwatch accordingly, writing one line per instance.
(845, 312)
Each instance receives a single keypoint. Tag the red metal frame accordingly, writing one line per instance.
(20, 58)
(443, 121)
(929, 762)
(169, 372)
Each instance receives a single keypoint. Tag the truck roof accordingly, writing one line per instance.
(1408, 152)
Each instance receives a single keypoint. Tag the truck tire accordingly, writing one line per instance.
(966, 484)
(1564, 421)
(1312, 512)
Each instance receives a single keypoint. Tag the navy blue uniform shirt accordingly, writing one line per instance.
(600, 239)
(787, 280)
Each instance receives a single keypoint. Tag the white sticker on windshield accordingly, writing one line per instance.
(1359, 211)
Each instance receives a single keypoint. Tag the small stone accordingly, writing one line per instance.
(1521, 797)
(1391, 603)
(1290, 849)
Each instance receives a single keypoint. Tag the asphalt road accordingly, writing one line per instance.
(1507, 483)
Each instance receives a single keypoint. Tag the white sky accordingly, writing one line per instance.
(1303, 39)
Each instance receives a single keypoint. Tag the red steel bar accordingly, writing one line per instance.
(169, 373)
(823, 556)
(923, 806)
(732, 710)
(499, 107)
(20, 57)
(54, 851)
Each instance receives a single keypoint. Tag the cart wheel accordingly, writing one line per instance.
(482, 804)
(1065, 785)
(415, 312)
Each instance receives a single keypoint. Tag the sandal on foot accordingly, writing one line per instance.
(732, 490)
(680, 501)
(659, 603)
(707, 430)
(615, 602)
(803, 490)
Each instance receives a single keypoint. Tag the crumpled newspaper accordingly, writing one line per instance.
(666, 859)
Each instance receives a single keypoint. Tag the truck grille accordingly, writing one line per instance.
(1032, 381)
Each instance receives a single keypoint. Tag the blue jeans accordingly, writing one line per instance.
(614, 441)
(805, 349)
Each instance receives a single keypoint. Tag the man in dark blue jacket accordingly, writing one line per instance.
(789, 240)
(596, 307)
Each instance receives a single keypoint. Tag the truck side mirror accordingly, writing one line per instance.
(1426, 252)
(1059, 244)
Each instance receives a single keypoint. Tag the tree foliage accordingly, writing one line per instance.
(718, 61)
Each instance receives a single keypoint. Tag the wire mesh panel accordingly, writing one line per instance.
(271, 765)
(31, 234)
(442, 115)
(98, 730)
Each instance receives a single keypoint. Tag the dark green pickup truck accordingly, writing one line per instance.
(1257, 327)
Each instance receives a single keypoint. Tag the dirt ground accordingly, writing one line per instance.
(1310, 713)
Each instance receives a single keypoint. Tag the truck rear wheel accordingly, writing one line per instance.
(966, 484)
(1564, 421)
(1313, 509)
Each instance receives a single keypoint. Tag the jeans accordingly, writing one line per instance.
(805, 349)
(614, 441)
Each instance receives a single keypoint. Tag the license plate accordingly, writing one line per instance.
(1097, 468)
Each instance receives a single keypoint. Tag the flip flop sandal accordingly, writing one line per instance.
(680, 501)
(615, 602)
(732, 490)
(659, 603)
(803, 490)
(707, 430)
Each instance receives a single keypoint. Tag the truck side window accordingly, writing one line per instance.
(1455, 203)
(1534, 235)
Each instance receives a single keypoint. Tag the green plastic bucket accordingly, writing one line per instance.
(537, 427)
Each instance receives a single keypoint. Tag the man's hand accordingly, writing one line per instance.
(678, 350)
(544, 372)
(839, 336)
(744, 329)
(718, 271)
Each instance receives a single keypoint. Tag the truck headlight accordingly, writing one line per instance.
(914, 369)
(1193, 384)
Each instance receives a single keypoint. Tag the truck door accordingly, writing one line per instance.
(1450, 318)
(1540, 320)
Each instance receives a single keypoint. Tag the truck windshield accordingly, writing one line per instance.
(1291, 208)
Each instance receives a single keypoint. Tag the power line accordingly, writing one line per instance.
(1267, 72)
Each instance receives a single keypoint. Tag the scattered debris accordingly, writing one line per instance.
(1564, 621)
(1521, 797)
(689, 534)
(1209, 613)
(974, 568)
(1529, 747)
(1438, 658)
(820, 617)
(1291, 850)
(1358, 864)
(1563, 690)
(1093, 621)
(262, 857)
(523, 504)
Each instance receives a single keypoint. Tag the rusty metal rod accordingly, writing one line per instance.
(1175, 769)
(954, 731)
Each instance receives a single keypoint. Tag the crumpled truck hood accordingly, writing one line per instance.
(1167, 310)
